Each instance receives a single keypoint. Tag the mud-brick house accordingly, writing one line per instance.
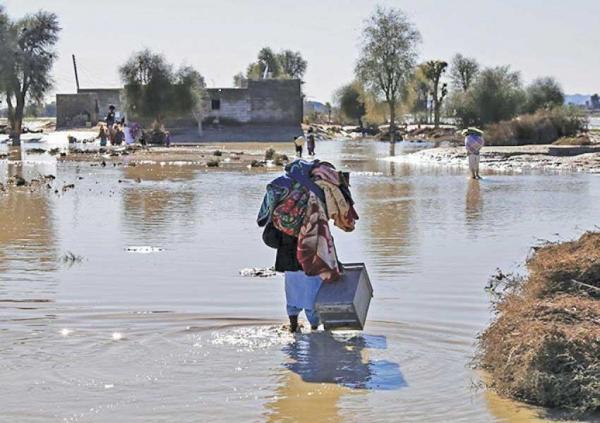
(262, 110)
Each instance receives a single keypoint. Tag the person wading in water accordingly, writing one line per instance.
(473, 143)
(310, 142)
(298, 144)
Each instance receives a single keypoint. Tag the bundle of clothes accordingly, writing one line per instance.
(296, 211)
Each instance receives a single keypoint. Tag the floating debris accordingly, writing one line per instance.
(258, 272)
(71, 258)
(144, 249)
(36, 151)
(67, 187)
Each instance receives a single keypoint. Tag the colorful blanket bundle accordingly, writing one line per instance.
(300, 204)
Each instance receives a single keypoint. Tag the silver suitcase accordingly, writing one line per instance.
(344, 304)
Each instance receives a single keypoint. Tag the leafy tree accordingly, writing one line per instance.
(154, 90)
(544, 93)
(419, 95)
(286, 64)
(268, 63)
(463, 72)
(293, 65)
(190, 92)
(350, 101)
(388, 57)
(239, 80)
(26, 58)
(433, 71)
(496, 95)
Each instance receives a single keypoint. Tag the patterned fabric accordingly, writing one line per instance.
(326, 173)
(338, 209)
(299, 170)
(316, 250)
(288, 215)
(277, 190)
(473, 143)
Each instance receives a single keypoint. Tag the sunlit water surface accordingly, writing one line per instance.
(174, 333)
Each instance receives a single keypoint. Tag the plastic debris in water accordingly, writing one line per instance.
(145, 249)
(117, 336)
(66, 332)
(258, 272)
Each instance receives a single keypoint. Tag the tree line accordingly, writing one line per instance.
(388, 73)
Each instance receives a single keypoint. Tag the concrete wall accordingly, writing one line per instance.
(268, 101)
(73, 110)
(106, 97)
(235, 104)
(275, 101)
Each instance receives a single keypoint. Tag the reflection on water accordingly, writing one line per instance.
(474, 202)
(197, 340)
(327, 358)
(27, 243)
(151, 208)
(388, 208)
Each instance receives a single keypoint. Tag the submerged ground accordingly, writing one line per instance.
(176, 333)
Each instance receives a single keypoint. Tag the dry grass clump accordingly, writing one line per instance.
(544, 345)
(542, 127)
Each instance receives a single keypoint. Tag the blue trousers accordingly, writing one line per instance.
(311, 315)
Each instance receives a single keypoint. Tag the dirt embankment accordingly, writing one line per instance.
(544, 345)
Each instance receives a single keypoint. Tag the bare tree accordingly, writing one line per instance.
(433, 71)
(463, 72)
(388, 57)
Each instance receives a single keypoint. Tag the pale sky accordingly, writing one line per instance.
(220, 37)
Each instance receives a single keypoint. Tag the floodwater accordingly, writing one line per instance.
(172, 332)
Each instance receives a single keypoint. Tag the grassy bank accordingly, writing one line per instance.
(543, 127)
(544, 345)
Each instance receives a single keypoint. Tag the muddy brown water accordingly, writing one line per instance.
(176, 334)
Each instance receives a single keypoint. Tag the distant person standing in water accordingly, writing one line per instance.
(299, 144)
(310, 142)
(473, 143)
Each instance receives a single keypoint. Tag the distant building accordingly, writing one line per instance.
(262, 110)
(87, 105)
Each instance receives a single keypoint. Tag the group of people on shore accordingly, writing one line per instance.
(114, 132)
(118, 132)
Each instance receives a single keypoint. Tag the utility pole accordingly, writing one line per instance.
(76, 75)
